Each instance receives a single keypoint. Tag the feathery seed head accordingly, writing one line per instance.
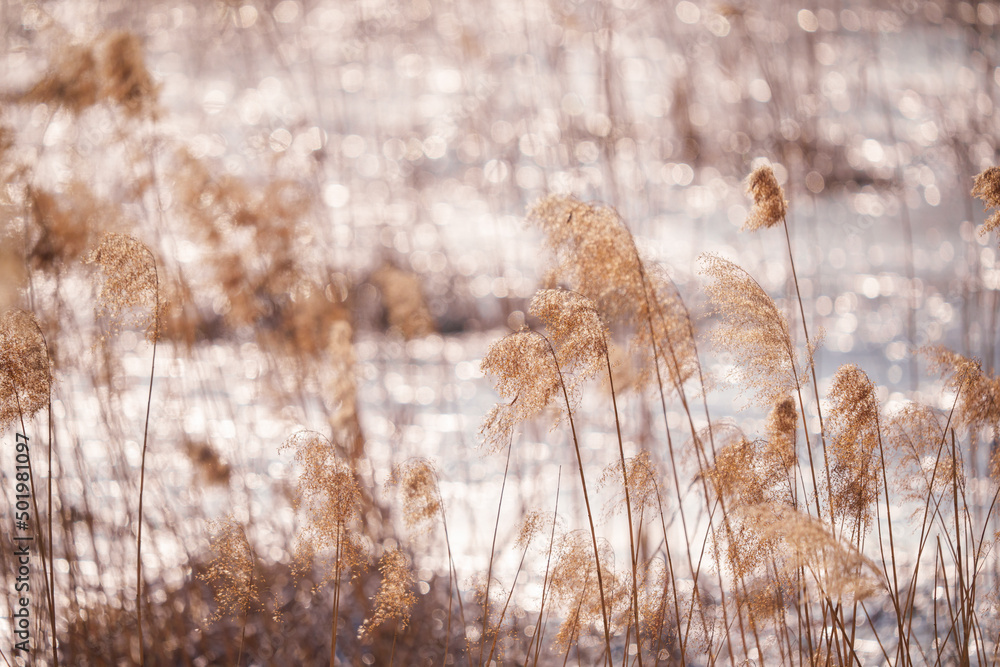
(782, 429)
(769, 205)
(752, 329)
(418, 489)
(979, 393)
(987, 187)
(231, 572)
(525, 373)
(854, 466)
(403, 300)
(130, 294)
(643, 484)
(535, 522)
(25, 377)
(394, 598)
(597, 257)
(329, 496)
(575, 329)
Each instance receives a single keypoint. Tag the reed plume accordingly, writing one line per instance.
(232, 573)
(130, 295)
(838, 570)
(782, 430)
(752, 329)
(746, 475)
(418, 490)
(915, 432)
(422, 503)
(329, 497)
(986, 186)
(596, 256)
(126, 80)
(110, 68)
(854, 456)
(573, 577)
(769, 205)
(73, 80)
(25, 375)
(394, 598)
(979, 393)
(529, 370)
(403, 300)
(526, 375)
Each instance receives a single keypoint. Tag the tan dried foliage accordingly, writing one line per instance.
(769, 205)
(403, 299)
(25, 376)
(65, 225)
(752, 329)
(73, 80)
(489, 601)
(129, 294)
(340, 387)
(656, 604)
(329, 498)
(250, 233)
(986, 186)
(418, 491)
(127, 81)
(853, 420)
(208, 464)
(597, 257)
(232, 572)
(110, 68)
(394, 598)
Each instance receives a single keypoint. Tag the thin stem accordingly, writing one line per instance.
(142, 466)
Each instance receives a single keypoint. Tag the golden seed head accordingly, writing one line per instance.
(854, 462)
(987, 187)
(534, 523)
(130, 294)
(525, 373)
(782, 430)
(597, 257)
(643, 485)
(25, 377)
(769, 205)
(418, 490)
(231, 573)
(575, 329)
(394, 598)
(329, 497)
(978, 393)
(752, 329)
